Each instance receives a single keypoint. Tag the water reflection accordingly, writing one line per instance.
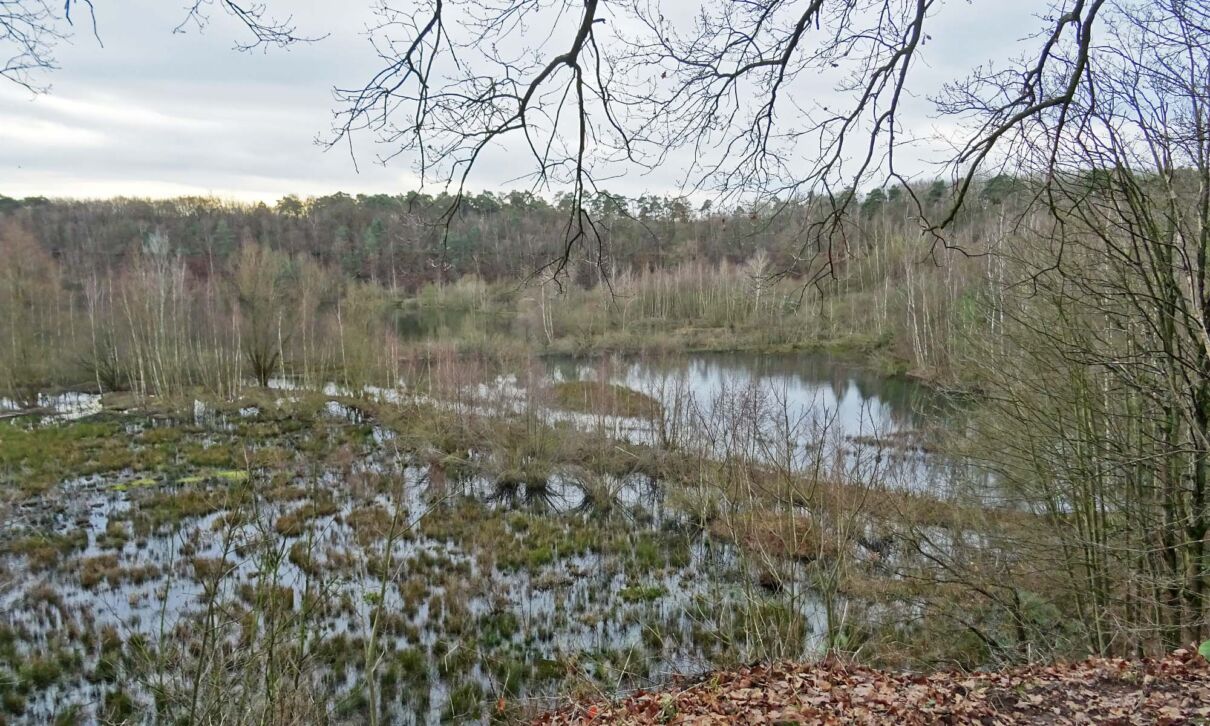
(861, 402)
(806, 412)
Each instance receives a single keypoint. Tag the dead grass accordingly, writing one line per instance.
(605, 398)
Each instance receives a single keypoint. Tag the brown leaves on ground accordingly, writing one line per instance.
(1172, 690)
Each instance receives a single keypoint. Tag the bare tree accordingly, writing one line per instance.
(266, 30)
(29, 278)
(267, 306)
(1100, 418)
(612, 88)
(31, 29)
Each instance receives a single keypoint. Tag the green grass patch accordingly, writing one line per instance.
(46, 550)
(642, 594)
(605, 398)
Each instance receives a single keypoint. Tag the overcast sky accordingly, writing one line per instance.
(153, 113)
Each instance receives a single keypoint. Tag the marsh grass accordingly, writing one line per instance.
(606, 398)
(370, 561)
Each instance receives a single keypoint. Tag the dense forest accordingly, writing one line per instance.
(404, 241)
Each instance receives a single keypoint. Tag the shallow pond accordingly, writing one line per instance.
(220, 550)
(801, 408)
(860, 401)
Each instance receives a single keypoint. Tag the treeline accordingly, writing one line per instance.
(152, 327)
(158, 295)
(408, 240)
(155, 326)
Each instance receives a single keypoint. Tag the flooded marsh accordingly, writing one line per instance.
(304, 557)
(476, 549)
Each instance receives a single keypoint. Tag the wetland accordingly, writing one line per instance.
(451, 559)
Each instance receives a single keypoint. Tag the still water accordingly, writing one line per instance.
(798, 408)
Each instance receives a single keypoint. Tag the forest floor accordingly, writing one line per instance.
(1171, 690)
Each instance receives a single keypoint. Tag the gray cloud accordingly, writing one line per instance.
(158, 113)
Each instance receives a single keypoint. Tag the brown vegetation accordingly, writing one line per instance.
(1174, 689)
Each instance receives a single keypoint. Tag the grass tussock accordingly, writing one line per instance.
(609, 399)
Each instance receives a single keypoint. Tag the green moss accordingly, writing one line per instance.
(34, 460)
(109, 660)
(139, 482)
(539, 556)
(653, 551)
(110, 460)
(511, 674)
(454, 658)
(268, 457)
(115, 536)
(354, 707)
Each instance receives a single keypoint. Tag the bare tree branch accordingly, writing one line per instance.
(31, 29)
(718, 93)
(265, 29)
